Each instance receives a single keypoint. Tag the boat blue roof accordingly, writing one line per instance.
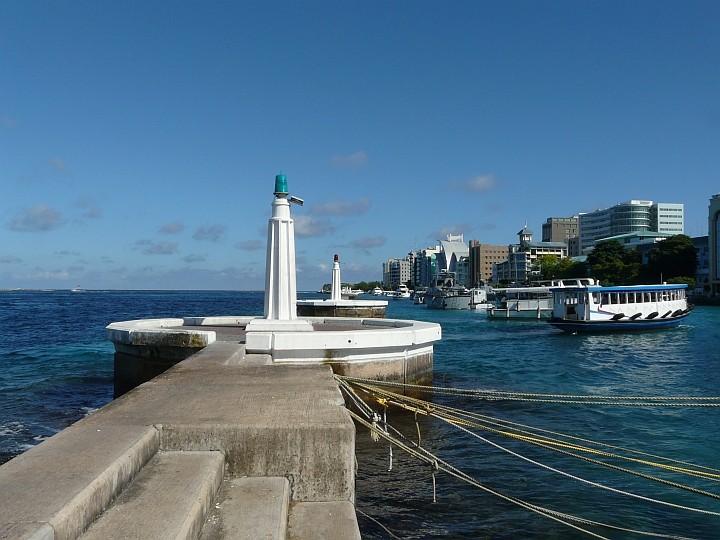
(622, 288)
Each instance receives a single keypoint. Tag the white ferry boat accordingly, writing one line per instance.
(529, 303)
(593, 308)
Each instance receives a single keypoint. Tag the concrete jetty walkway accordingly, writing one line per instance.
(222, 445)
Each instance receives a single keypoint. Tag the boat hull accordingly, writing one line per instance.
(574, 326)
(448, 302)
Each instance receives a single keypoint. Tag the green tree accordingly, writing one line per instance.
(548, 266)
(572, 269)
(612, 264)
(674, 257)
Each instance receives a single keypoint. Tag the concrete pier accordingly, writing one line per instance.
(237, 429)
(222, 445)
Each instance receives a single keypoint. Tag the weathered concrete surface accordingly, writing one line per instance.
(250, 509)
(168, 499)
(323, 521)
(70, 478)
(267, 420)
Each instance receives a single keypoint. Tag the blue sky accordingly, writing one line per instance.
(139, 140)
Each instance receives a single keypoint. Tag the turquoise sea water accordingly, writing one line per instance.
(56, 366)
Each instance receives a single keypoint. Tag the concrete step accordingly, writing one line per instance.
(323, 521)
(250, 509)
(169, 499)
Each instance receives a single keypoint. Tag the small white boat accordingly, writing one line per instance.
(593, 308)
(377, 291)
(401, 292)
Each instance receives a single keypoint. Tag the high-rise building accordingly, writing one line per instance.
(630, 217)
(668, 218)
(482, 258)
(560, 229)
(714, 243)
(395, 272)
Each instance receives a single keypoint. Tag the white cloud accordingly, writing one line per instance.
(476, 184)
(157, 248)
(58, 165)
(307, 226)
(174, 227)
(484, 182)
(351, 161)
(341, 208)
(250, 245)
(40, 218)
(368, 242)
(91, 209)
(211, 233)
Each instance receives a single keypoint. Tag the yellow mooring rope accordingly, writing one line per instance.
(363, 391)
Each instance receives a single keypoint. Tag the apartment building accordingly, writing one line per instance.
(632, 216)
(560, 229)
(482, 257)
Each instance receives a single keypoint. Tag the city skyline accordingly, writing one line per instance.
(139, 142)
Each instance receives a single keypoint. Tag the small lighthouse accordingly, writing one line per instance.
(336, 285)
(280, 277)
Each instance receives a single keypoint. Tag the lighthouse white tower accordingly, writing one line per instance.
(280, 281)
(336, 285)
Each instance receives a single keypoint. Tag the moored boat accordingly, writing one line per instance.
(446, 294)
(593, 308)
(401, 292)
(530, 303)
(521, 303)
(479, 299)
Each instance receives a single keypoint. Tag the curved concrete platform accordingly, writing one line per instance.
(342, 308)
(383, 349)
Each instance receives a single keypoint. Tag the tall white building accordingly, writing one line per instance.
(630, 217)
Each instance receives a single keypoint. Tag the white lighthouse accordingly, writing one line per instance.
(280, 281)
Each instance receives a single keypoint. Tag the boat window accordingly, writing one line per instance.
(596, 297)
(605, 298)
(623, 298)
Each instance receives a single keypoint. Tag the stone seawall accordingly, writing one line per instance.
(218, 408)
